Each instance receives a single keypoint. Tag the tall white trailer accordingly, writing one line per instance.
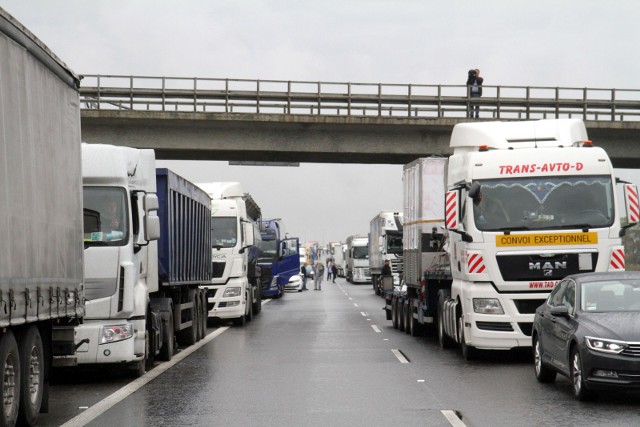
(357, 257)
(517, 207)
(385, 244)
(41, 260)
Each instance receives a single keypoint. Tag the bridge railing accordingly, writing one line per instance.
(211, 95)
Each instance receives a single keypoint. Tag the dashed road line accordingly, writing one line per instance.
(399, 355)
(375, 328)
(453, 418)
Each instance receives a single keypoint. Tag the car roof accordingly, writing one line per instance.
(596, 277)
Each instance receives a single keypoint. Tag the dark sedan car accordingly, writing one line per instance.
(589, 330)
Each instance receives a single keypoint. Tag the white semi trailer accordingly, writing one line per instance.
(41, 260)
(385, 244)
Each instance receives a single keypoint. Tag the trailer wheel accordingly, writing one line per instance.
(168, 339)
(10, 385)
(250, 313)
(406, 311)
(32, 376)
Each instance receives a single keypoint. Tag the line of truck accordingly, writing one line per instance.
(104, 257)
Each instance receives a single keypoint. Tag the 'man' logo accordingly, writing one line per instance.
(557, 265)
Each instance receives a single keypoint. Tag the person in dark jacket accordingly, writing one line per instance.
(474, 90)
(334, 271)
(386, 269)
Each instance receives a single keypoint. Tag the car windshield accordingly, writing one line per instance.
(224, 232)
(105, 219)
(544, 203)
(611, 295)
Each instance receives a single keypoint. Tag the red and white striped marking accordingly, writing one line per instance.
(475, 263)
(633, 208)
(617, 260)
(451, 209)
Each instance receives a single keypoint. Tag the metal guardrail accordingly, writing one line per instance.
(211, 95)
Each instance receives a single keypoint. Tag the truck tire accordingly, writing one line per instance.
(10, 382)
(197, 312)
(257, 306)
(204, 312)
(416, 328)
(250, 313)
(168, 339)
(139, 368)
(394, 314)
(444, 339)
(406, 310)
(31, 375)
(401, 315)
(189, 336)
(240, 321)
(468, 352)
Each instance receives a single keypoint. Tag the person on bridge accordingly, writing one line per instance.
(474, 90)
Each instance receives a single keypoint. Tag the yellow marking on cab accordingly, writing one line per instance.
(547, 239)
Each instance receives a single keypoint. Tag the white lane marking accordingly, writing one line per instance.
(350, 299)
(375, 328)
(355, 304)
(399, 356)
(363, 314)
(452, 417)
(108, 402)
(421, 381)
(266, 301)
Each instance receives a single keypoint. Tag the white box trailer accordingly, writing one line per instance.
(385, 244)
(41, 260)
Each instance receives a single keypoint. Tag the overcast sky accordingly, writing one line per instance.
(580, 43)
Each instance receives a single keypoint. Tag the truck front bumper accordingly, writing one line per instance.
(92, 352)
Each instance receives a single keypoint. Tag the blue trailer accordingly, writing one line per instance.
(184, 256)
(280, 258)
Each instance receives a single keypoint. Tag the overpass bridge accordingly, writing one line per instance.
(331, 122)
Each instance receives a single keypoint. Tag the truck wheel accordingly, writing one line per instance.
(443, 338)
(168, 339)
(10, 385)
(250, 313)
(139, 368)
(401, 315)
(196, 317)
(468, 352)
(240, 321)
(32, 376)
(189, 336)
(394, 314)
(406, 309)
(204, 312)
(257, 306)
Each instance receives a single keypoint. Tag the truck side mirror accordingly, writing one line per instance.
(631, 200)
(151, 222)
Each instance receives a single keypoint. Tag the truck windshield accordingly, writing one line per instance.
(224, 232)
(394, 243)
(269, 247)
(360, 252)
(105, 218)
(544, 203)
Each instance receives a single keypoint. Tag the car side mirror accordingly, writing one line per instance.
(560, 311)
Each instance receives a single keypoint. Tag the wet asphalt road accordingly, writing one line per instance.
(317, 359)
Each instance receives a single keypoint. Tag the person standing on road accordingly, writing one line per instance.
(329, 269)
(318, 275)
(334, 271)
(303, 274)
(474, 90)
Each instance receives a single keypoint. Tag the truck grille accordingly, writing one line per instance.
(528, 306)
(536, 267)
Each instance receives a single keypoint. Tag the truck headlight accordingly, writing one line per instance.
(605, 346)
(232, 292)
(487, 306)
(114, 333)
